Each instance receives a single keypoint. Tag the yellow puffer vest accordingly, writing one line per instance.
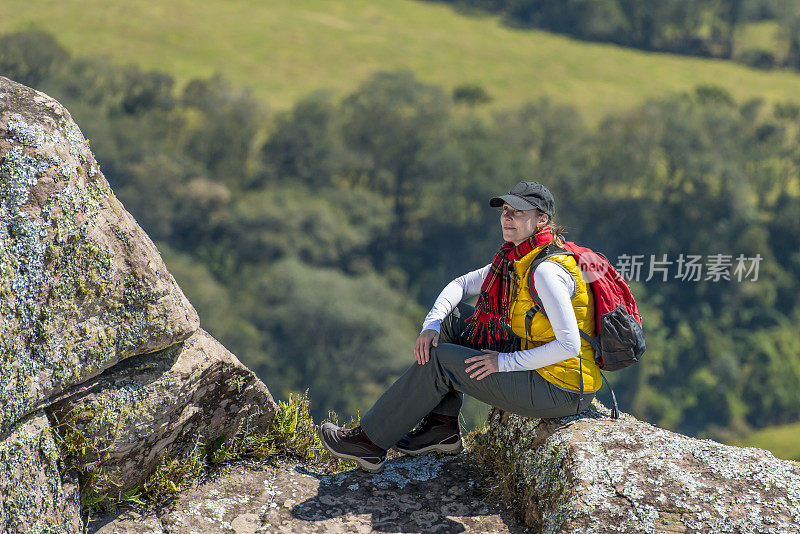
(565, 374)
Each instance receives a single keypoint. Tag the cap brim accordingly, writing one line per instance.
(518, 203)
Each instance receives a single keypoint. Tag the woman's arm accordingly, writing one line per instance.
(463, 287)
(555, 287)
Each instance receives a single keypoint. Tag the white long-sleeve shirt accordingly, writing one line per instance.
(554, 285)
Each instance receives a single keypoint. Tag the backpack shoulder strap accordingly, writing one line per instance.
(539, 306)
(548, 251)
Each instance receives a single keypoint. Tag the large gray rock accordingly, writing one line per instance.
(590, 473)
(33, 496)
(159, 405)
(81, 285)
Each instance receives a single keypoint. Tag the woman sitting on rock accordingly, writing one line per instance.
(502, 352)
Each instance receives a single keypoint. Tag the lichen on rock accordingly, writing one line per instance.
(592, 473)
(35, 497)
(117, 427)
(82, 287)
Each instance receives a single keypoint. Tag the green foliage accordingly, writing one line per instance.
(106, 502)
(171, 477)
(30, 57)
(223, 139)
(758, 58)
(305, 145)
(147, 91)
(323, 226)
(292, 436)
(395, 128)
(222, 314)
(346, 336)
(471, 94)
(772, 360)
(84, 439)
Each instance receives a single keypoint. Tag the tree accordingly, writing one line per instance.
(30, 57)
(146, 91)
(471, 94)
(223, 139)
(326, 336)
(393, 125)
(319, 226)
(305, 144)
(790, 31)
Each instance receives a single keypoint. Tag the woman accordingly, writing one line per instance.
(506, 351)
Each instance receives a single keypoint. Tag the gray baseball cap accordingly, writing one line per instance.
(527, 196)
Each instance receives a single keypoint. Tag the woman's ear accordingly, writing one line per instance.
(544, 220)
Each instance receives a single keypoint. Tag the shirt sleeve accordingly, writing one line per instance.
(463, 287)
(556, 288)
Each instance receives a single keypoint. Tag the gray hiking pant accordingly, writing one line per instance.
(439, 386)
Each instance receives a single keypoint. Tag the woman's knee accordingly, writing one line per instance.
(448, 354)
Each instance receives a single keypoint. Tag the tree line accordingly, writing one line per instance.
(313, 240)
(708, 28)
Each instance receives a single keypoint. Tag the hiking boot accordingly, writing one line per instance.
(436, 433)
(352, 444)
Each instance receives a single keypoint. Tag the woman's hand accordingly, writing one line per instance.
(422, 348)
(483, 365)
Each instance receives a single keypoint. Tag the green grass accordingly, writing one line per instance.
(284, 50)
(782, 440)
(763, 35)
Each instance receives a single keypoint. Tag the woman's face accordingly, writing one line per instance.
(520, 225)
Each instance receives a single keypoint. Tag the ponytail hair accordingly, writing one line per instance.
(558, 231)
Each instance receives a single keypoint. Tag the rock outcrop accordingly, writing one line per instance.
(161, 405)
(591, 473)
(95, 335)
(82, 286)
(413, 494)
(579, 474)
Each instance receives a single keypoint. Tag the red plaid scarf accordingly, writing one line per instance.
(492, 309)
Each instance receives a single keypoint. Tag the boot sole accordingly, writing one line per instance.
(454, 448)
(363, 464)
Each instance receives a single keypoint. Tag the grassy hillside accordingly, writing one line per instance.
(781, 440)
(764, 35)
(285, 49)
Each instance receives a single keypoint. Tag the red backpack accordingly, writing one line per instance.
(619, 338)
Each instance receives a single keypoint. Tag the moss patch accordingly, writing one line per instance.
(505, 483)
